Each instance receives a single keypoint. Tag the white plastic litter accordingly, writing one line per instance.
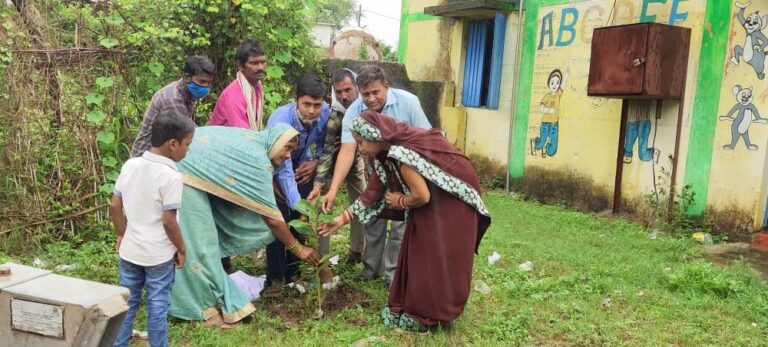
(65, 267)
(298, 287)
(493, 258)
(527, 266)
(482, 288)
(334, 260)
(250, 285)
(38, 262)
(332, 284)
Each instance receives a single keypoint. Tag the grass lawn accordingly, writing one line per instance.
(595, 282)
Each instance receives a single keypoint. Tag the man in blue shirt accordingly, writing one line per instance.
(295, 178)
(377, 95)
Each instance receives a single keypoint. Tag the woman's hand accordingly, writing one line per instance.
(391, 199)
(309, 255)
(325, 229)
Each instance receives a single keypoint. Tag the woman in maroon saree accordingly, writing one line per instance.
(420, 173)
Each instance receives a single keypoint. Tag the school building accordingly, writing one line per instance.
(517, 89)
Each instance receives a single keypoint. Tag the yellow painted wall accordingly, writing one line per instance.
(588, 134)
(736, 178)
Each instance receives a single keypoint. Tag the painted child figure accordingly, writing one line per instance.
(149, 241)
(550, 109)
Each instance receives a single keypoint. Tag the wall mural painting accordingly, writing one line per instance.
(638, 129)
(755, 43)
(744, 110)
(752, 51)
(546, 142)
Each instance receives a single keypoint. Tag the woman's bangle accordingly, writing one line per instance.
(294, 246)
(346, 217)
(403, 202)
(296, 249)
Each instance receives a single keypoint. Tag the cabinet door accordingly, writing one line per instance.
(612, 70)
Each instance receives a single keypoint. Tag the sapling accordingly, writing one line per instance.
(308, 228)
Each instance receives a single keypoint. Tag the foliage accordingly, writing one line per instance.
(362, 52)
(69, 121)
(388, 52)
(335, 12)
(667, 207)
(309, 228)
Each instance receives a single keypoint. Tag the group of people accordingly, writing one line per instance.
(191, 197)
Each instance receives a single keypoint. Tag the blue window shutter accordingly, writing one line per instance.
(497, 60)
(474, 63)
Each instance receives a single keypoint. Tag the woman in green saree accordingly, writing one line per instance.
(229, 208)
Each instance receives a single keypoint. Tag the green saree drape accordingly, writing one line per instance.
(227, 189)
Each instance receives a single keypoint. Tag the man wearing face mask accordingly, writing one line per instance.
(241, 104)
(178, 96)
(294, 179)
(343, 93)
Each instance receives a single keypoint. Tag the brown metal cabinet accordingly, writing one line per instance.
(646, 60)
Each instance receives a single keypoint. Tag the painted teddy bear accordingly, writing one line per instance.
(744, 109)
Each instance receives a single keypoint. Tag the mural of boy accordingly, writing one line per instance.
(550, 109)
(639, 129)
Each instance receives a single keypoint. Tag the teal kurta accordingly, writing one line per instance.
(227, 190)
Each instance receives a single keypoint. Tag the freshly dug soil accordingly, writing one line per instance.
(293, 307)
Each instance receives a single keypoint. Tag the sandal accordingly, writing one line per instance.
(390, 319)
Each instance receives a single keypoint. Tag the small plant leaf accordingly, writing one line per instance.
(109, 42)
(115, 20)
(94, 98)
(104, 82)
(275, 72)
(109, 162)
(106, 137)
(107, 188)
(96, 116)
(326, 218)
(112, 175)
(302, 227)
(156, 68)
(324, 260)
(318, 203)
(305, 208)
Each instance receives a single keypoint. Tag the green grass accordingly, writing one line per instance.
(662, 292)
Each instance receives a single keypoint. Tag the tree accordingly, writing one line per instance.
(335, 12)
(388, 52)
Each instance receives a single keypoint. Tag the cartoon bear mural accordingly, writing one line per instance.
(753, 52)
(744, 110)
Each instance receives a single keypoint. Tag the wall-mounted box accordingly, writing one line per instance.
(645, 60)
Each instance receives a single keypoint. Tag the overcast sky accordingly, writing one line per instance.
(381, 18)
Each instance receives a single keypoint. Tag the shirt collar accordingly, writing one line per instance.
(159, 159)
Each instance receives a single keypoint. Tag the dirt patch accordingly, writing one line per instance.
(732, 221)
(566, 187)
(293, 307)
(724, 254)
(491, 173)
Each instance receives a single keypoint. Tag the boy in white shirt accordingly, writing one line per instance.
(149, 241)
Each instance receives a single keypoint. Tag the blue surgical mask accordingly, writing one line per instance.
(197, 90)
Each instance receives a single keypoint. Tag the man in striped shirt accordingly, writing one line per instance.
(178, 96)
